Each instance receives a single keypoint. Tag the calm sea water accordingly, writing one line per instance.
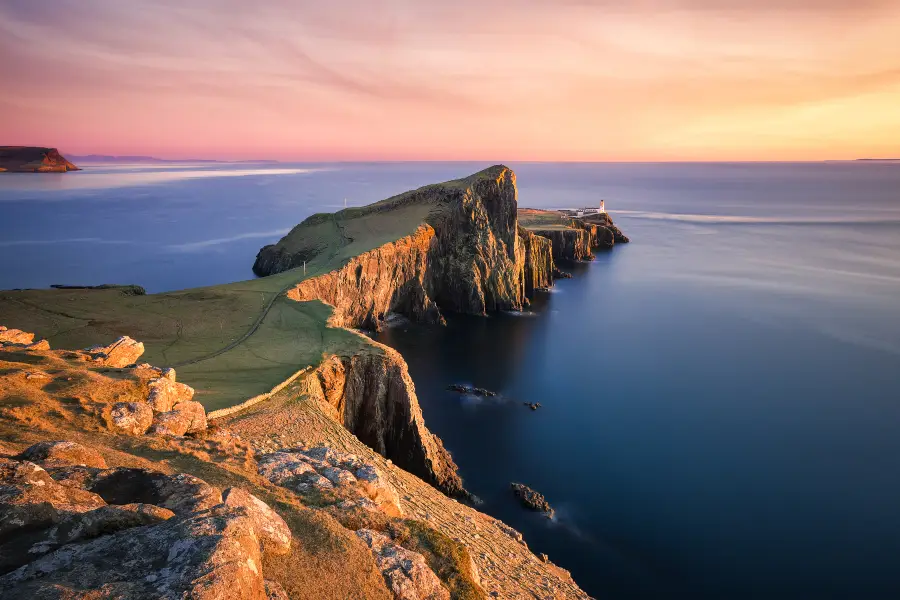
(721, 397)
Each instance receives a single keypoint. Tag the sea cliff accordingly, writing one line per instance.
(327, 480)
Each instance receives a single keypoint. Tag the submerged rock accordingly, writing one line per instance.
(471, 390)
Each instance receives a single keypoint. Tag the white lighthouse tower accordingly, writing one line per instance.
(602, 207)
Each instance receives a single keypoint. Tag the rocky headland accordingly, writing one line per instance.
(290, 448)
(33, 159)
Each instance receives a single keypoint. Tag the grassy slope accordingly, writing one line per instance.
(202, 324)
(534, 219)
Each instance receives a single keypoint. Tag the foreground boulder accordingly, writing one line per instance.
(63, 454)
(121, 353)
(131, 418)
(185, 417)
(405, 572)
(322, 469)
(129, 533)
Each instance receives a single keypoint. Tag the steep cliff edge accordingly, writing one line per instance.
(374, 397)
(31, 159)
(452, 246)
(540, 268)
(573, 244)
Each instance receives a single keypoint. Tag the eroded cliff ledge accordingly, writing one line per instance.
(374, 397)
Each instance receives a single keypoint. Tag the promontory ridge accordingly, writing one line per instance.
(242, 441)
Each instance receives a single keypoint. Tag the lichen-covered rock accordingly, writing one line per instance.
(15, 336)
(321, 468)
(209, 555)
(63, 454)
(274, 591)
(132, 418)
(27, 545)
(375, 398)
(30, 498)
(406, 573)
(121, 353)
(185, 417)
(270, 528)
(181, 493)
(165, 393)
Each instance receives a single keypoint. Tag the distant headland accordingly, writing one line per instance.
(33, 159)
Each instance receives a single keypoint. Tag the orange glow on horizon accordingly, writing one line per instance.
(496, 80)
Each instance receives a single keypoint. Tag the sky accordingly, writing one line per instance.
(503, 80)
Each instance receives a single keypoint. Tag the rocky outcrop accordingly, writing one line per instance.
(406, 573)
(128, 533)
(571, 244)
(322, 469)
(374, 397)
(16, 338)
(32, 159)
(604, 232)
(539, 267)
(121, 353)
(531, 499)
(62, 454)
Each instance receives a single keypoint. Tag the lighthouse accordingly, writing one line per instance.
(602, 207)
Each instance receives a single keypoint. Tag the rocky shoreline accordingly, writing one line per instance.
(343, 437)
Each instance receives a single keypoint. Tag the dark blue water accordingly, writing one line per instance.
(721, 398)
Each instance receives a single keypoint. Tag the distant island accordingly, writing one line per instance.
(878, 159)
(33, 159)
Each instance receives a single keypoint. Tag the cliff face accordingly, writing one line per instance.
(469, 258)
(476, 260)
(388, 278)
(569, 244)
(539, 267)
(603, 231)
(374, 397)
(28, 159)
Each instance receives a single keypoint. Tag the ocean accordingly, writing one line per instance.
(720, 397)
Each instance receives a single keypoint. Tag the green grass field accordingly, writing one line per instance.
(531, 218)
(237, 340)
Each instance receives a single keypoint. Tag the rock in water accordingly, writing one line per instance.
(531, 499)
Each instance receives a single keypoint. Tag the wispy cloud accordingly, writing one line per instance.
(201, 245)
(517, 79)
